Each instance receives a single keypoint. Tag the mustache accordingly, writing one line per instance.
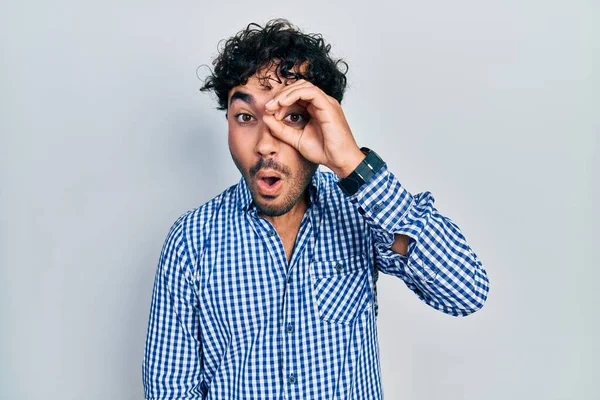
(271, 164)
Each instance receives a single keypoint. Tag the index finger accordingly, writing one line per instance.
(281, 94)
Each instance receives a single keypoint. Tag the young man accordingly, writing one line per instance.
(268, 290)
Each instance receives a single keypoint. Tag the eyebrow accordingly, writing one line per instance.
(245, 97)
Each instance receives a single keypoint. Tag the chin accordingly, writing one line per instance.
(273, 209)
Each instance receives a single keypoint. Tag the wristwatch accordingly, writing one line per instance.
(365, 170)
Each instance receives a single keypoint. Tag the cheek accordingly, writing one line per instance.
(240, 144)
(233, 134)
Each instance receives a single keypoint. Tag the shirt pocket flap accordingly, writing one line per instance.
(341, 288)
(326, 269)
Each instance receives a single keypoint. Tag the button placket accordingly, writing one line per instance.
(273, 244)
(290, 331)
(291, 324)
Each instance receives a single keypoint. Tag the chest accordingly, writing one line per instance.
(252, 275)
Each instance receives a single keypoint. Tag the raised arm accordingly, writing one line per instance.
(436, 262)
(413, 241)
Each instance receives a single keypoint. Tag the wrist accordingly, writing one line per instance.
(363, 172)
(350, 163)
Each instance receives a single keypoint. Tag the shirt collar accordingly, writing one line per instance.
(245, 197)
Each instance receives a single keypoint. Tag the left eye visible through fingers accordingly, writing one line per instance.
(292, 114)
(296, 119)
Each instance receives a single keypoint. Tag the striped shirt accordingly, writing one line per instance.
(231, 319)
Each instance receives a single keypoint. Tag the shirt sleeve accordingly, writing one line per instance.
(440, 267)
(172, 366)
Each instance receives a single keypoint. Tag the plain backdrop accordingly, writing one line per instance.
(492, 106)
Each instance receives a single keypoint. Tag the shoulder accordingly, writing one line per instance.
(189, 232)
(327, 178)
(330, 193)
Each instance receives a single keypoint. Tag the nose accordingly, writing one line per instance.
(267, 145)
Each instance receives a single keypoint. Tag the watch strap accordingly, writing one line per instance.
(362, 173)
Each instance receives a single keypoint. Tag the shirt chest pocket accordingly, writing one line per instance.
(341, 288)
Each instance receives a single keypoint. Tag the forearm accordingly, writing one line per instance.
(419, 245)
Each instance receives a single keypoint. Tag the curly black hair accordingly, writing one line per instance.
(279, 45)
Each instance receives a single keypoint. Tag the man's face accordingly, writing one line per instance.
(275, 172)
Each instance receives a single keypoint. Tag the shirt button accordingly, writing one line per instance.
(376, 208)
(289, 279)
(292, 378)
(271, 233)
(289, 328)
(339, 267)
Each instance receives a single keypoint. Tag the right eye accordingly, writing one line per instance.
(244, 118)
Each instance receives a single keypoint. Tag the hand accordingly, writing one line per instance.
(326, 138)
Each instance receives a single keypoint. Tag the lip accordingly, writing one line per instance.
(263, 185)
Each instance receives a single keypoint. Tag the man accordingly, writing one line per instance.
(268, 290)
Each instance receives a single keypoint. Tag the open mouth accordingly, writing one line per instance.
(269, 183)
(271, 180)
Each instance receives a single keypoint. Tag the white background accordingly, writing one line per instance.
(105, 140)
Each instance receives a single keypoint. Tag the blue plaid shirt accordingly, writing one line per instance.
(231, 319)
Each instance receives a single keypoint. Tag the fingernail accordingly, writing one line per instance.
(270, 102)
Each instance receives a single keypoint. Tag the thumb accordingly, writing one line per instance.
(283, 132)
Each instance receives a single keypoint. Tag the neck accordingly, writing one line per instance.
(291, 219)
